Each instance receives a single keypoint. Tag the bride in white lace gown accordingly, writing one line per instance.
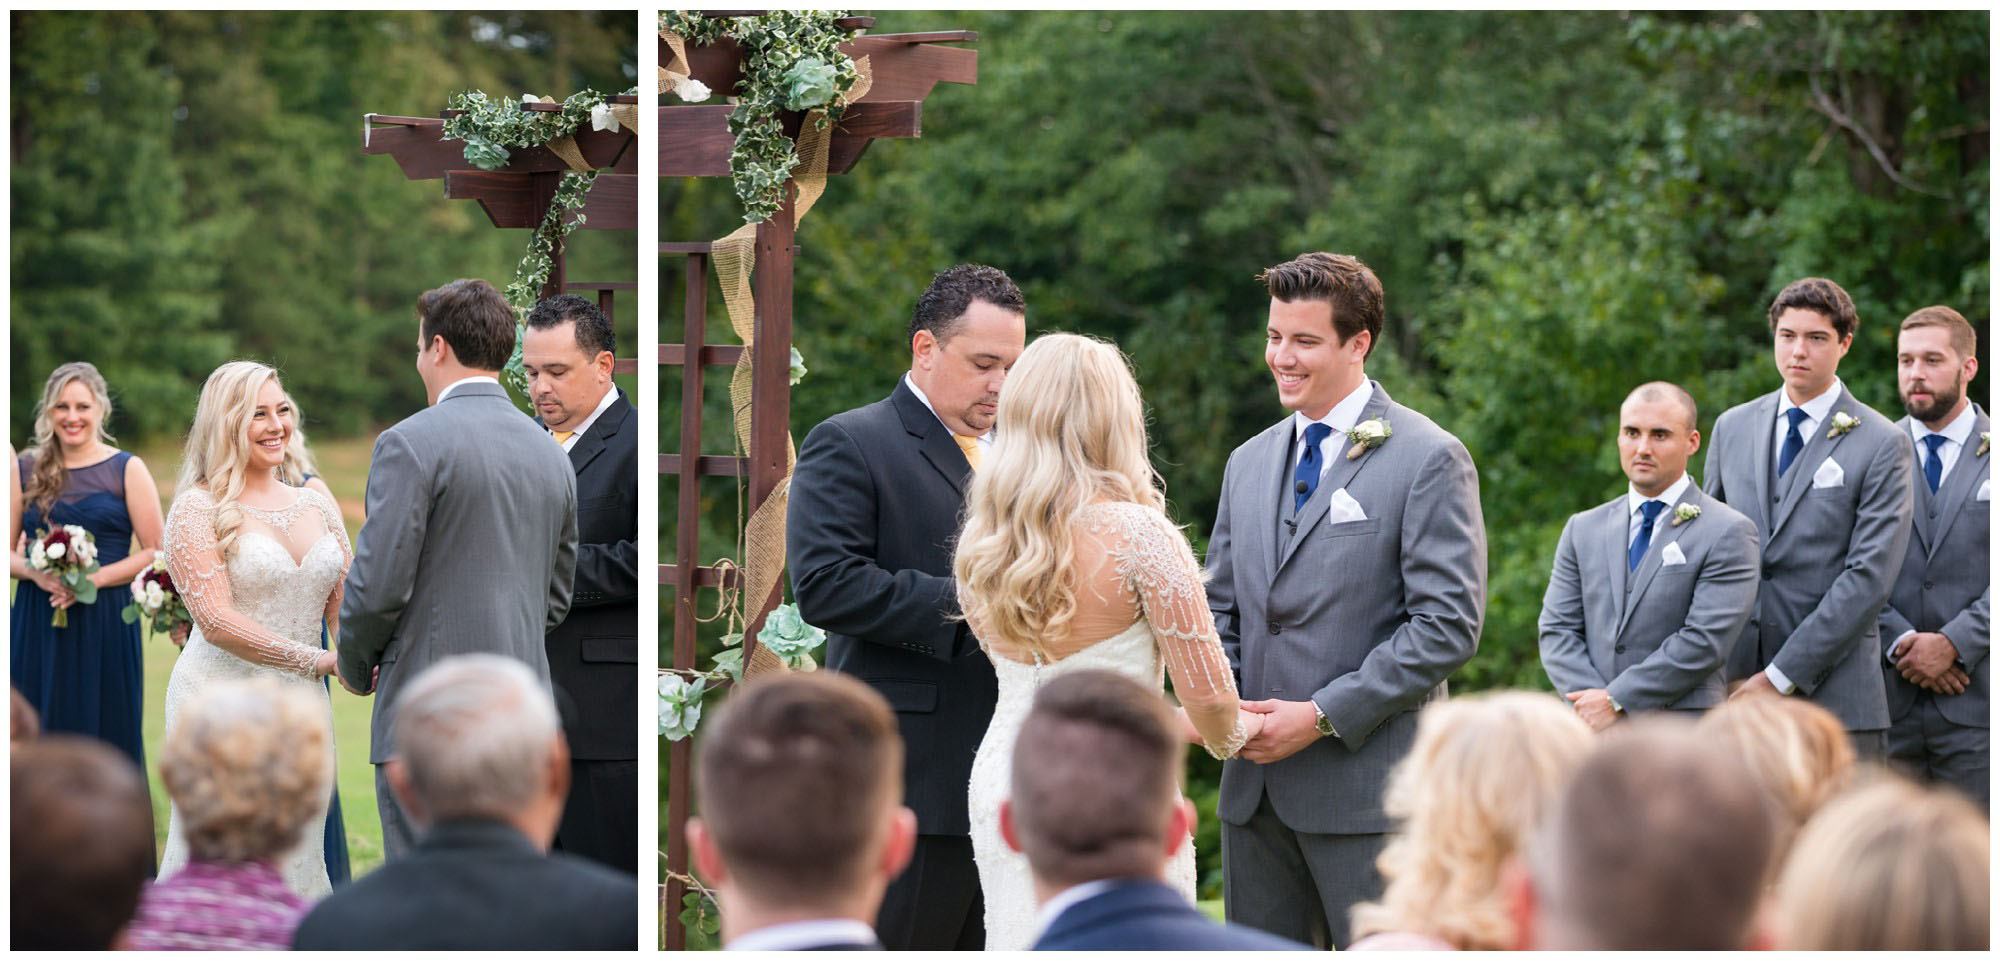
(259, 564)
(1067, 562)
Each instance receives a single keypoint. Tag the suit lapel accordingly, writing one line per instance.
(1665, 532)
(1271, 489)
(591, 443)
(1799, 479)
(1761, 509)
(1965, 475)
(933, 440)
(1337, 476)
(1616, 538)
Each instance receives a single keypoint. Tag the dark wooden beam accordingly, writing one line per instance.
(695, 139)
(900, 68)
(416, 144)
(706, 465)
(509, 199)
(712, 355)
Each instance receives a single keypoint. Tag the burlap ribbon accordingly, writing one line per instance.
(677, 67)
(627, 114)
(565, 147)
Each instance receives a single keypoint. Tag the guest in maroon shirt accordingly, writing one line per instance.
(248, 764)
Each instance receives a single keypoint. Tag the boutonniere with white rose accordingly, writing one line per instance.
(1366, 436)
(1985, 443)
(1842, 423)
(1684, 513)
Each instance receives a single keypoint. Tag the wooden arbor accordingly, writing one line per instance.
(519, 194)
(694, 141)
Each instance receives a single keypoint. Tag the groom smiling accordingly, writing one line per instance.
(1348, 580)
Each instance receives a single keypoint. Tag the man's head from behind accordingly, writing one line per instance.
(1096, 782)
(969, 327)
(477, 738)
(799, 783)
(82, 843)
(567, 353)
(1660, 842)
(464, 328)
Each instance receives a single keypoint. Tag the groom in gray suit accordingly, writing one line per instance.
(1651, 590)
(1935, 626)
(470, 540)
(1827, 480)
(1348, 580)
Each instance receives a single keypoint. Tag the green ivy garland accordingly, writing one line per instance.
(791, 61)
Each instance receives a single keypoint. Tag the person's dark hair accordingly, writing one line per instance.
(951, 293)
(593, 329)
(1096, 774)
(1336, 279)
(1822, 296)
(797, 783)
(1661, 842)
(83, 843)
(471, 316)
(1964, 339)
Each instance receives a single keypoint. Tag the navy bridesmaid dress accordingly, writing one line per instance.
(337, 869)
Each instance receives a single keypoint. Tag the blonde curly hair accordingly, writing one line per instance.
(249, 765)
(1798, 750)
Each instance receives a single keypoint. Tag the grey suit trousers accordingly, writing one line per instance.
(1264, 899)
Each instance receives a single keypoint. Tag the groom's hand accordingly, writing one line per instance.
(1288, 727)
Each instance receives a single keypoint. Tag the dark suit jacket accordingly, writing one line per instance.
(1149, 916)
(478, 885)
(874, 511)
(594, 653)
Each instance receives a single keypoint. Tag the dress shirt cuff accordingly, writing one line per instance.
(1779, 680)
(1897, 645)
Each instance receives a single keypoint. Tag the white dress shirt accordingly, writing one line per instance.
(800, 935)
(1634, 499)
(474, 379)
(1341, 418)
(603, 403)
(985, 440)
(1956, 435)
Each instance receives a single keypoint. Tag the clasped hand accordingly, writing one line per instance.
(1288, 727)
(1929, 660)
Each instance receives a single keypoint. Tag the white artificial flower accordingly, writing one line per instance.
(155, 598)
(37, 557)
(601, 118)
(530, 98)
(54, 552)
(692, 90)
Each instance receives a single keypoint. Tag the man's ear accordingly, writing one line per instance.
(1180, 826)
(1517, 891)
(923, 349)
(1008, 832)
(902, 843)
(605, 363)
(707, 860)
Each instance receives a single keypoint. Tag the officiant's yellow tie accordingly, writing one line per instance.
(562, 436)
(970, 445)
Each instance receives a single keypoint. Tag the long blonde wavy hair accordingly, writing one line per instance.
(1071, 431)
(1481, 775)
(298, 463)
(48, 474)
(218, 448)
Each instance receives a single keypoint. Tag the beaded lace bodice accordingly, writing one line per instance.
(264, 604)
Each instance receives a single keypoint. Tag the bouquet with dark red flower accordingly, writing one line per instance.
(155, 599)
(69, 552)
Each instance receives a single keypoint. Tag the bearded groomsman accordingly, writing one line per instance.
(1650, 590)
(1826, 479)
(1935, 626)
(1348, 580)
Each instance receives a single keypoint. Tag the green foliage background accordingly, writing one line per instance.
(1559, 205)
(189, 188)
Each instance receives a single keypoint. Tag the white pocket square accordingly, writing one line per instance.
(1829, 475)
(1984, 493)
(1672, 555)
(1342, 508)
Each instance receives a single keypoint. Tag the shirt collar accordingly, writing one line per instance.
(474, 379)
(911, 382)
(1343, 416)
(603, 404)
(1816, 408)
(1958, 431)
(1669, 497)
(1069, 898)
(804, 934)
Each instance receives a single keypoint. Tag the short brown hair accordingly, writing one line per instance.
(1889, 867)
(1342, 281)
(473, 318)
(1096, 775)
(795, 778)
(1821, 296)
(1964, 339)
(83, 842)
(1659, 843)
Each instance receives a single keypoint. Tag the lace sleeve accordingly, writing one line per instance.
(203, 581)
(1158, 568)
(330, 512)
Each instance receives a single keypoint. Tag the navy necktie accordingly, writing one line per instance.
(1793, 442)
(1651, 510)
(1934, 465)
(1305, 480)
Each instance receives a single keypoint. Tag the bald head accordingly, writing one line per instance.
(1663, 392)
(1656, 436)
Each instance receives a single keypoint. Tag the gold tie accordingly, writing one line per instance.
(563, 436)
(970, 445)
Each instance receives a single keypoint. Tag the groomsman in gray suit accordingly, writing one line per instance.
(470, 540)
(1348, 580)
(1649, 591)
(1935, 625)
(1827, 479)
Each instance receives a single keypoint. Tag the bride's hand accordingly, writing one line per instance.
(326, 665)
(1188, 731)
(179, 634)
(1253, 724)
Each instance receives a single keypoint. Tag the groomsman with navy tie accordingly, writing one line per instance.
(1651, 590)
(1935, 626)
(1827, 481)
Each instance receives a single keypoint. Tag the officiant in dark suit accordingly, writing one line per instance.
(875, 504)
(594, 654)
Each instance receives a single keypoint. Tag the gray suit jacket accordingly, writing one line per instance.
(469, 546)
(1829, 553)
(1946, 584)
(1661, 642)
(1366, 618)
